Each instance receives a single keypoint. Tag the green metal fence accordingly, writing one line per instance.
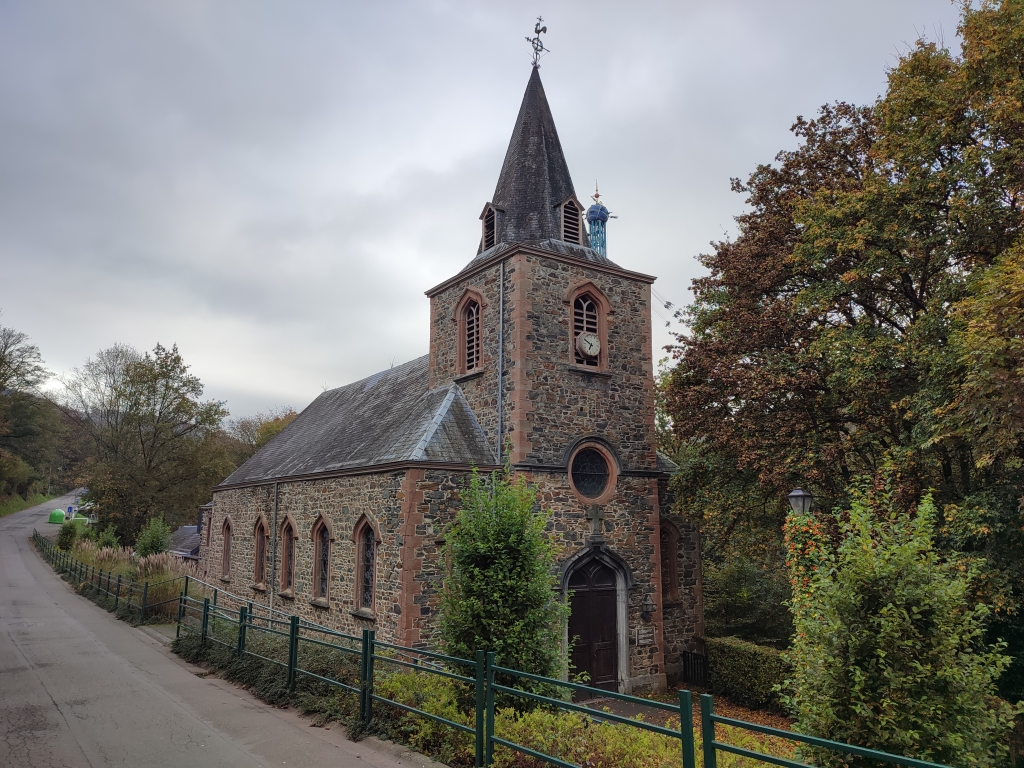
(245, 628)
(125, 594)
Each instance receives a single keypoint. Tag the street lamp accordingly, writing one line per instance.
(800, 501)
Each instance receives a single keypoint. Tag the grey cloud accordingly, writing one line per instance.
(273, 186)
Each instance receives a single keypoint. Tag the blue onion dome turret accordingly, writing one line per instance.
(597, 212)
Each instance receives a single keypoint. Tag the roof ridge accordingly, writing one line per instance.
(420, 450)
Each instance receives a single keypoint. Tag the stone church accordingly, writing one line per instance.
(540, 356)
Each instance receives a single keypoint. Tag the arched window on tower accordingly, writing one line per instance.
(259, 571)
(287, 556)
(585, 323)
(225, 555)
(471, 341)
(572, 222)
(321, 560)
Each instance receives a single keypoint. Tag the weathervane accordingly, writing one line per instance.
(535, 41)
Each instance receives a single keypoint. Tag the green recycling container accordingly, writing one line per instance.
(57, 516)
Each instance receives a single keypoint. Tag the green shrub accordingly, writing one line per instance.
(747, 673)
(153, 539)
(437, 695)
(108, 538)
(889, 651)
(500, 595)
(67, 535)
(748, 599)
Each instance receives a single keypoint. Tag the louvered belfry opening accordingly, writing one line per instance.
(571, 222)
(488, 229)
(472, 340)
(584, 320)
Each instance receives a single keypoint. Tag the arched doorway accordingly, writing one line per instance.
(593, 623)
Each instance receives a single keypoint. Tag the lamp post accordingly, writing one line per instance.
(800, 501)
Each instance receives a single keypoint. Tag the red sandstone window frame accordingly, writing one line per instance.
(669, 541)
(596, 295)
(259, 567)
(613, 473)
(289, 536)
(470, 296)
(359, 537)
(322, 525)
(225, 552)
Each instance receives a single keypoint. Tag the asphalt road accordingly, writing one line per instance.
(79, 688)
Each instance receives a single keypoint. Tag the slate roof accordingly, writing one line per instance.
(389, 417)
(534, 178)
(185, 542)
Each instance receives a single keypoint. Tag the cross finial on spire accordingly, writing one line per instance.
(535, 41)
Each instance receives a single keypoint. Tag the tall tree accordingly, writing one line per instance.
(823, 344)
(157, 447)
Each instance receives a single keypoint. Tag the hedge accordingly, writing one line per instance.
(745, 672)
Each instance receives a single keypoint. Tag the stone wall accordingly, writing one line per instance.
(412, 510)
(563, 402)
(341, 502)
(481, 386)
(684, 606)
(549, 401)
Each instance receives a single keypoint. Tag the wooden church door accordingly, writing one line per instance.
(592, 624)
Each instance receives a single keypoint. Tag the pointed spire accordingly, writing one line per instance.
(534, 178)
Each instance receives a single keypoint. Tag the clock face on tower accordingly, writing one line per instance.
(589, 345)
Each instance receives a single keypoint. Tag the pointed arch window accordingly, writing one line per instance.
(366, 566)
(572, 222)
(287, 557)
(589, 310)
(225, 555)
(585, 320)
(472, 335)
(321, 561)
(259, 571)
(469, 317)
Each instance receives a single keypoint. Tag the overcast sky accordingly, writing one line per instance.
(273, 185)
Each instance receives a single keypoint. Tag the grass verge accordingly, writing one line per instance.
(15, 503)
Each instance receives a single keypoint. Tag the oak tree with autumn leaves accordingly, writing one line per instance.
(867, 321)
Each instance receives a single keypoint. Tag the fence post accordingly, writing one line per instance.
(181, 607)
(117, 595)
(145, 597)
(363, 658)
(707, 730)
(293, 651)
(206, 620)
(489, 715)
(241, 630)
(370, 650)
(686, 728)
(481, 704)
(186, 587)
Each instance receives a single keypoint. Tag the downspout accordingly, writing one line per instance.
(501, 358)
(273, 556)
